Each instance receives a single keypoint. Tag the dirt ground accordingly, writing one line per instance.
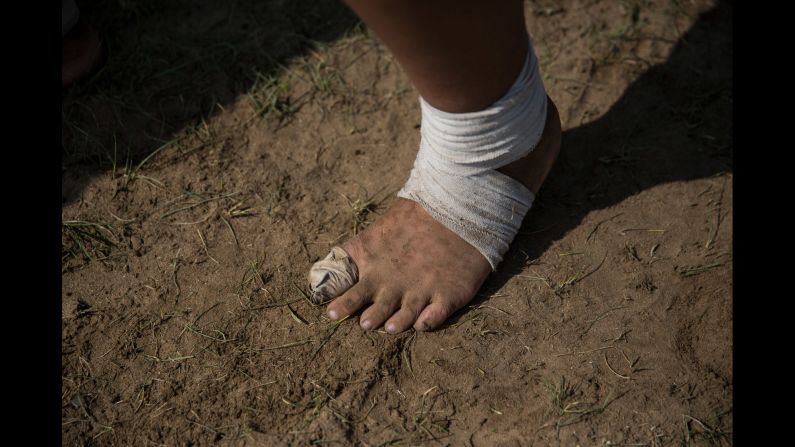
(225, 146)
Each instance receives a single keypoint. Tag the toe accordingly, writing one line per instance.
(384, 305)
(349, 302)
(437, 312)
(407, 315)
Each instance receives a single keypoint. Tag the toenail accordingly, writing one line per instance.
(391, 328)
(425, 326)
(332, 314)
(366, 324)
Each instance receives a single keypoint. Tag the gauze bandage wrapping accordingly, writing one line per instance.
(331, 276)
(454, 177)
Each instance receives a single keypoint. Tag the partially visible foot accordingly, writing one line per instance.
(82, 53)
(413, 271)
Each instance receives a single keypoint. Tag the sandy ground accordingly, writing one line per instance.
(227, 146)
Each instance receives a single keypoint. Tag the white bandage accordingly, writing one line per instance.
(331, 276)
(454, 177)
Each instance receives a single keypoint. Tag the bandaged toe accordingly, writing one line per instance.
(332, 276)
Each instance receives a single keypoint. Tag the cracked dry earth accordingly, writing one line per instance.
(184, 320)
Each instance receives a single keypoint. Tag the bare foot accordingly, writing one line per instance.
(413, 271)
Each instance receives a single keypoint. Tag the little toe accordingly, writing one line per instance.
(436, 313)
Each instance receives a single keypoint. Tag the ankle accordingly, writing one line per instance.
(532, 170)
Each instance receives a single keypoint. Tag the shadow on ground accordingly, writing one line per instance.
(172, 64)
(673, 124)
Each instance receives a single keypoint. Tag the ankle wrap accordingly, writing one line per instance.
(454, 177)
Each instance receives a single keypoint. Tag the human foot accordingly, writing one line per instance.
(413, 271)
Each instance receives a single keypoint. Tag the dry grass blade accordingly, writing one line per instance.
(601, 316)
(296, 317)
(231, 230)
(204, 244)
(699, 269)
(361, 208)
(251, 274)
(237, 210)
(613, 370)
(284, 346)
(575, 279)
(88, 241)
(482, 306)
(718, 208)
(200, 202)
(649, 230)
(325, 339)
(585, 352)
(560, 393)
(596, 227)
(405, 352)
(274, 305)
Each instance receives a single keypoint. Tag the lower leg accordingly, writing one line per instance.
(461, 55)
